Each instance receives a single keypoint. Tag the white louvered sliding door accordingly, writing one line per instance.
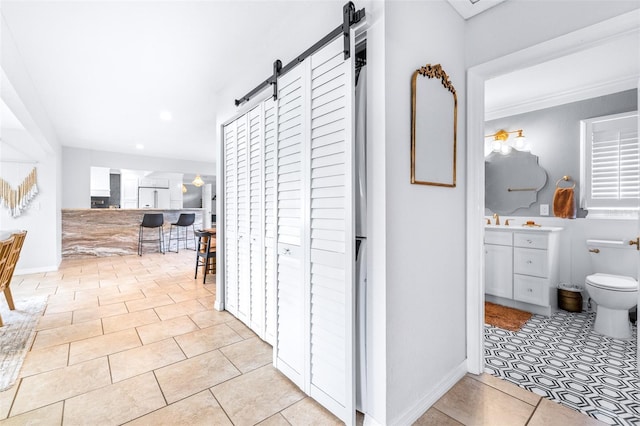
(256, 220)
(269, 173)
(231, 217)
(244, 256)
(315, 326)
(290, 260)
(332, 238)
(289, 225)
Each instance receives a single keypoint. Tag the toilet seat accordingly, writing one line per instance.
(613, 282)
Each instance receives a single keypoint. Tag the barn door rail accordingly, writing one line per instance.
(350, 16)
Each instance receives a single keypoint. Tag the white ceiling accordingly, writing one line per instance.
(105, 70)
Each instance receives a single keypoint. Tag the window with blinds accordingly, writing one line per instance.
(611, 163)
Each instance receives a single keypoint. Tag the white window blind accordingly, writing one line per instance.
(611, 162)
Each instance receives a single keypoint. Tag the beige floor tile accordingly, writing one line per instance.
(508, 388)
(115, 404)
(148, 302)
(57, 385)
(194, 375)
(473, 402)
(6, 399)
(208, 301)
(67, 334)
(435, 417)
(143, 359)
(99, 292)
(550, 413)
(308, 412)
(59, 298)
(120, 297)
(200, 409)
(249, 354)
(181, 296)
(54, 320)
(244, 331)
(210, 317)
(45, 416)
(83, 315)
(40, 360)
(275, 420)
(206, 340)
(178, 309)
(74, 305)
(134, 319)
(165, 329)
(254, 396)
(99, 346)
(160, 290)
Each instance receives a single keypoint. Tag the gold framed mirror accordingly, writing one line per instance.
(433, 104)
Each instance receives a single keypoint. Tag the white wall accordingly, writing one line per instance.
(516, 24)
(77, 164)
(38, 143)
(425, 225)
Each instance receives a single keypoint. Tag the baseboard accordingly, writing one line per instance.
(38, 270)
(413, 414)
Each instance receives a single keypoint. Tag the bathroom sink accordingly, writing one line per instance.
(520, 228)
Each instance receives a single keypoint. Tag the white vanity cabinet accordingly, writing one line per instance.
(498, 260)
(522, 268)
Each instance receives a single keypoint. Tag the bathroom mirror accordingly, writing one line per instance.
(512, 181)
(434, 107)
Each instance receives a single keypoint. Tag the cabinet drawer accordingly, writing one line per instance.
(530, 262)
(497, 237)
(531, 290)
(531, 240)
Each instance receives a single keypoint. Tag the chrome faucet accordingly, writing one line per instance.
(497, 218)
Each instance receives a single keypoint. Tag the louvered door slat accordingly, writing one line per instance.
(290, 296)
(244, 254)
(256, 214)
(332, 236)
(269, 126)
(231, 218)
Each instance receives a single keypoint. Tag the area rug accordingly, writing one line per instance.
(505, 318)
(16, 336)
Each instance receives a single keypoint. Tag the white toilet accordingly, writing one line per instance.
(613, 287)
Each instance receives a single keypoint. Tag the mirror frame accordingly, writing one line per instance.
(432, 71)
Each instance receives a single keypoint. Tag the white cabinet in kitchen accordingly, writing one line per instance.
(522, 268)
(100, 182)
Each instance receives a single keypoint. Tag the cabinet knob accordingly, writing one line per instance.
(530, 290)
(530, 241)
(529, 262)
(287, 251)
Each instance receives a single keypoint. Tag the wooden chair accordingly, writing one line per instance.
(205, 254)
(9, 255)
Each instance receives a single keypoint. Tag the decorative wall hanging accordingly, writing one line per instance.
(434, 122)
(17, 200)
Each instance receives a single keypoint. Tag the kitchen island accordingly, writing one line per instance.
(113, 232)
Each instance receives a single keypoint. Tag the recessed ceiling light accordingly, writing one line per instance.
(139, 146)
(165, 115)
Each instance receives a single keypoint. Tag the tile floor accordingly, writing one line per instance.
(135, 340)
(561, 358)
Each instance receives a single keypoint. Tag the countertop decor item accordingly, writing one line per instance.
(434, 122)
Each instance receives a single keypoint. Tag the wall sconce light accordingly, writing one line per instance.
(502, 144)
(184, 189)
(198, 181)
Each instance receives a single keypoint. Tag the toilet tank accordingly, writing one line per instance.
(615, 257)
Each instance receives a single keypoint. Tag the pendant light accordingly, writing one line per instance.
(198, 181)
